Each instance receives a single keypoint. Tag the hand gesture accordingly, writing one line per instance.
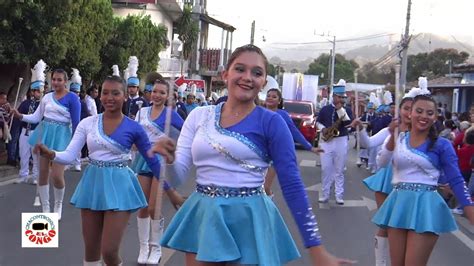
(394, 124)
(42, 150)
(317, 150)
(165, 147)
(320, 256)
(16, 114)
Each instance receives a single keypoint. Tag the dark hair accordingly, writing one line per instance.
(116, 79)
(404, 100)
(280, 104)
(162, 82)
(469, 137)
(246, 48)
(2, 93)
(90, 90)
(60, 71)
(432, 134)
(464, 116)
(448, 115)
(449, 124)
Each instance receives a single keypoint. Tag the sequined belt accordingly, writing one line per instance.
(415, 187)
(117, 164)
(215, 191)
(51, 121)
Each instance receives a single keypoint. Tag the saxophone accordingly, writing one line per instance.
(332, 131)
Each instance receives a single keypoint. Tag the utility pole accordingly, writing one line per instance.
(333, 62)
(252, 33)
(405, 42)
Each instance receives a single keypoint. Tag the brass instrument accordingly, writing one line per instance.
(332, 131)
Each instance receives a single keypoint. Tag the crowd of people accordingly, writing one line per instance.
(150, 140)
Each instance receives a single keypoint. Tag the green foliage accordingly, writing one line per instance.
(66, 34)
(434, 64)
(133, 35)
(188, 30)
(344, 69)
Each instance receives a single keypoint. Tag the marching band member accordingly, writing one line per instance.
(58, 115)
(134, 101)
(152, 119)
(367, 118)
(108, 191)
(333, 121)
(381, 182)
(229, 218)
(414, 213)
(75, 87)
(28, 107)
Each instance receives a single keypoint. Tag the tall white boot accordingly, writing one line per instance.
(143, 236)
(381, 251)
(58, 200)
(156, 234)
(44, 197)
(93, 263)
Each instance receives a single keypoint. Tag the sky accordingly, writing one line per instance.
(296, 21)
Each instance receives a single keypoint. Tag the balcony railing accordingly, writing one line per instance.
(210, 58)
(172, 65)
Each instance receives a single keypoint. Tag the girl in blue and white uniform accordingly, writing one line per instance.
(108, 191)
(152, 119)
(414, 213)
(58, 116)
(381, 181)
(274, 102)
(229, 219)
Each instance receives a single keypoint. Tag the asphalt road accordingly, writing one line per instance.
(347, 230)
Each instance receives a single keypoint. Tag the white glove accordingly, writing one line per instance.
(341, 113)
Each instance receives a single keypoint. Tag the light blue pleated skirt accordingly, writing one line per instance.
(109, 189)
(245, 230)
(140, 166)
(54, 135)
(380, 181)
(420, 211)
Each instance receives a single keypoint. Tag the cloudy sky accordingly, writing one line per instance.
(303, 20)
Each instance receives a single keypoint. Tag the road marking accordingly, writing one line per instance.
(365, 202)
(464, 238)
(8, 182)
(308, 163)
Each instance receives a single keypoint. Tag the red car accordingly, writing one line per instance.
(303, 114)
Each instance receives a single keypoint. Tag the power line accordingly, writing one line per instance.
(367, 37)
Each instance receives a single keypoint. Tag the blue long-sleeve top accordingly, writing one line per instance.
(127, 133)
(295, 132)
(72, 102)
(328, 115)
(263, 131)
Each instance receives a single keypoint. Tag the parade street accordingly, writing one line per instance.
(346, 230)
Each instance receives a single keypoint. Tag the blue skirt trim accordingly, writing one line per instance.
(109, 189)
(380, 181)
(417, 210)
(245, 230)
(55, 136)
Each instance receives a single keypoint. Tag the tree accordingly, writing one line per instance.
(188, 30)
(133, 35)
(434, 64)
(67, 34)
(344, 69)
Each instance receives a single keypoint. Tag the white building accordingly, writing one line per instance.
(165, 12)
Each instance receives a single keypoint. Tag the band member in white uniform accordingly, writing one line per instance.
(334, 120)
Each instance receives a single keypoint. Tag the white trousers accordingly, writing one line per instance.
(333, 160)
(373, 157)
(26, 152)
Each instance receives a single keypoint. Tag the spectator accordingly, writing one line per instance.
(190, 103)
(458, 141)
(465, 155)
(449, 130)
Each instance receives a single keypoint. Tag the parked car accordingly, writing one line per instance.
(303, 114)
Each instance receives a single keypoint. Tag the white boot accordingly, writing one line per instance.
(156, 234)
(58, 201)
(44, 197)
(381, 251)
(93, 263)
(143, 236)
